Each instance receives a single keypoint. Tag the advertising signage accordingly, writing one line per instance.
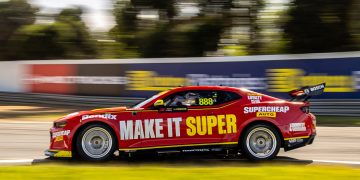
(274, 77)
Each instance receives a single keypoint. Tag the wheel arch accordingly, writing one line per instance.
(261, 121)
(82, 126)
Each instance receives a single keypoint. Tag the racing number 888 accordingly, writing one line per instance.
(206, 101)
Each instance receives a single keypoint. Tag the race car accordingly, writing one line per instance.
(190, 119)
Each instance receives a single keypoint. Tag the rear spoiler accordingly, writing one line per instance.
(305, 93)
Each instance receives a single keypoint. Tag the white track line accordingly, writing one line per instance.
(16, 161)
(338, 162)
(23, 122)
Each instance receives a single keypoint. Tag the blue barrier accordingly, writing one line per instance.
(140, 79)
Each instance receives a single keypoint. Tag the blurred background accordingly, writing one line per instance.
(135, 48)
(79, 29)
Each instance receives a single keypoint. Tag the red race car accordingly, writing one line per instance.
(190, 119)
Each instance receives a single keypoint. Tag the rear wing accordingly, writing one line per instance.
(305, 93)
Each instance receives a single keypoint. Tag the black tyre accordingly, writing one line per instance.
(260, 142)
(96, 142)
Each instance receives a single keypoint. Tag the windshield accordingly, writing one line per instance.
(141, 104)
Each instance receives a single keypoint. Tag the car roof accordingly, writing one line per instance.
(207, 88)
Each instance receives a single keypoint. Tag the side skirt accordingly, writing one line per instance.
(191, 148)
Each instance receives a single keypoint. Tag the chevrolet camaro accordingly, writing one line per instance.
(190, 119)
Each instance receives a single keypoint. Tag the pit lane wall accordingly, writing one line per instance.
(270, 74)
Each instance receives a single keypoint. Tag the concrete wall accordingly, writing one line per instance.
(11, 76)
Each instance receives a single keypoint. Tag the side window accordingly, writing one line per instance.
(191, 98)
(200, 98)
(207, 98)
(227, 96)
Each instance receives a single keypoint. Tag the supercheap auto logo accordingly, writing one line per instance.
(195, 125)
(266, 111)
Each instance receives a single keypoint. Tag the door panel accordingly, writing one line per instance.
(196, 126)
(195, 121)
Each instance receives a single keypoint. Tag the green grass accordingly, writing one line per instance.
(148, 172)
(338, 121)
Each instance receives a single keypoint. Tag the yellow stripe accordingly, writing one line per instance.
(59, 153)
(300, 137)
(147, 111)
(183, 145)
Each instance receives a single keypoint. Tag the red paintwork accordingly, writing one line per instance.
(282, 120)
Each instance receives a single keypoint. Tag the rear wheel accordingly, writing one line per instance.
(260, 142)
(96, 142)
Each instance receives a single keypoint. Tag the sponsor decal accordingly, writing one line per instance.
(306, 91)
(279, 109)
(254, 98)
(294, 127)
(59, 138)
(203, 125)
(60, 133)
(296, 140)
(195, 125)
(102, 116)
(206, 101)
(173, 109)
(315, 88)
(266, 114)
(196, 150)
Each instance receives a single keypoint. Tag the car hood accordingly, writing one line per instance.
(106, 110)
(94, 111)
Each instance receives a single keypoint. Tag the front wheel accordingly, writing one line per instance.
(96, 142)
(260, 142)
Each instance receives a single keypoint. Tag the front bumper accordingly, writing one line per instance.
(297, 142)
(58, 153)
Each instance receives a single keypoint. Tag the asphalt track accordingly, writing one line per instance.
(21, 142)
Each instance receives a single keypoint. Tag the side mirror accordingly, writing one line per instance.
(159, 103)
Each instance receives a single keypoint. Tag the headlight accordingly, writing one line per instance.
(60, 124)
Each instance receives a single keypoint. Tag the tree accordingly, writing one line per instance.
(354, 23)
(186, 39)
(67, 37)
(74, 36)
(318, 26)
(167, 35)
(13, 15)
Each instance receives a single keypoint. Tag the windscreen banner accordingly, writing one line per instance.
(272, 76)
